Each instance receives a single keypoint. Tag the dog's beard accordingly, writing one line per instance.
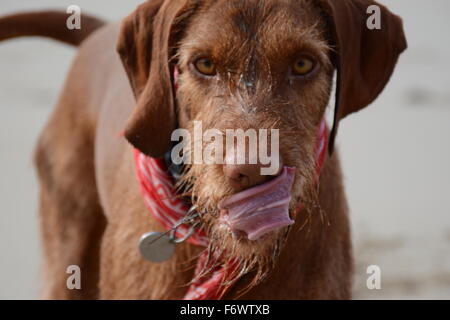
(257, 264)
(206, 186)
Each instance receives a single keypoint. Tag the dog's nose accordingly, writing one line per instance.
(244, 176)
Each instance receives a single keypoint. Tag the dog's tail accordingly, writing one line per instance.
(51, 24)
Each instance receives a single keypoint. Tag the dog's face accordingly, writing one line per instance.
(253, 65)
(257, 64)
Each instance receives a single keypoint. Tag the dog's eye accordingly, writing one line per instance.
(205, 66)
(303, 66)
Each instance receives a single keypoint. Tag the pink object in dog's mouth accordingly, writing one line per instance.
(261, 209)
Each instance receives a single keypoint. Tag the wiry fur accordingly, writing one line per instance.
(92, 212)
(295, 107)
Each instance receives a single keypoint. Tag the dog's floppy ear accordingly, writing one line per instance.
(145, 49)
(365, 58)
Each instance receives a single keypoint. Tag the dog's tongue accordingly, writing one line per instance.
(261, 209)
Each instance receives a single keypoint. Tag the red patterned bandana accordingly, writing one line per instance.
(212, 274)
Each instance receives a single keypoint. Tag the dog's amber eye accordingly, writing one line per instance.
(303, 66)
(205, 66)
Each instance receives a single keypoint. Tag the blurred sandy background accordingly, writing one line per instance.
(396, 155)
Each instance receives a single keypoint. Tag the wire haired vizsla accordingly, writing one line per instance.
(231, 64)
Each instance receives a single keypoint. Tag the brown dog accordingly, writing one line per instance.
(242, 64)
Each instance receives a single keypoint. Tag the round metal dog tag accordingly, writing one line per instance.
(156, 247)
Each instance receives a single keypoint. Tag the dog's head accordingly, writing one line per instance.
(256, 64)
